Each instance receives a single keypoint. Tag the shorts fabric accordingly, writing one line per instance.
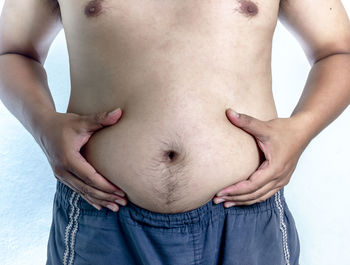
(260, 234)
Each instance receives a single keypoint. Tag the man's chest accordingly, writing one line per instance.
(101, 17)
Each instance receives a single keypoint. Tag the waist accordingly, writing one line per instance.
(66, 197)
(173, 157)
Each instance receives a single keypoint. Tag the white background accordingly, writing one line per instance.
(318, 193)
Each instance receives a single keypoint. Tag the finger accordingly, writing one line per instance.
(97, 121)
(88, 200)
(73, 187)
(87, 173)
(112, 206)
(260, 199)
(249, 124)
(98, 207)
(257, 180)
(99, 195)
(252, 196)
(92, 194)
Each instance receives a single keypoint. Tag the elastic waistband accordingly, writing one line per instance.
(64, 196)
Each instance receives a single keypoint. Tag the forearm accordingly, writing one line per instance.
(325, 96)
(24, 90)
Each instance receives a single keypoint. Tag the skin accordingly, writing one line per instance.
(320, 103)
(248, 8)
(324, 34)
(93, 8)
(268, 178)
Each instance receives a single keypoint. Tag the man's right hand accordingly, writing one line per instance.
(61, 137)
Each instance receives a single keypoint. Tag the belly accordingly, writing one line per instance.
(172, 153)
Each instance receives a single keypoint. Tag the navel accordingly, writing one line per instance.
(93, 8)
(171, 155)
(248, 8)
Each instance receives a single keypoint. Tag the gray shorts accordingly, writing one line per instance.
(259, 234)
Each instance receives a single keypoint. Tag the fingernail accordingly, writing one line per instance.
(233, 113)
(229, 204)
(112, 207)
(113, 112)
(221, 193)
(218, 200)
(96, 206)
(122, 202)
(119, 192)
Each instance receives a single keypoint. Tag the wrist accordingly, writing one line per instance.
(303, 127)
(41, 121)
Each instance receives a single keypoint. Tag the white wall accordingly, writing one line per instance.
(317, 193)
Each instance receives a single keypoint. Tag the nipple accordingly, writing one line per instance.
(249, 8)
(93, 8)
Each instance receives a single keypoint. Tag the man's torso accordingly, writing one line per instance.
(173, 67)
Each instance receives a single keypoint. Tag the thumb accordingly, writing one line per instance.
(99, 120)
(247, 123)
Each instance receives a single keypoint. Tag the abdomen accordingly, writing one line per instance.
(172, 157)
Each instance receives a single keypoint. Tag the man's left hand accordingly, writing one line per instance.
(282, 141)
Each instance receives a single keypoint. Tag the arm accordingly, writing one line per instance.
(23, 82)
(24, 44)
(323, 29)
(325, 38)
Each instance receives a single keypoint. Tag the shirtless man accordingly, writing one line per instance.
(174, 68)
